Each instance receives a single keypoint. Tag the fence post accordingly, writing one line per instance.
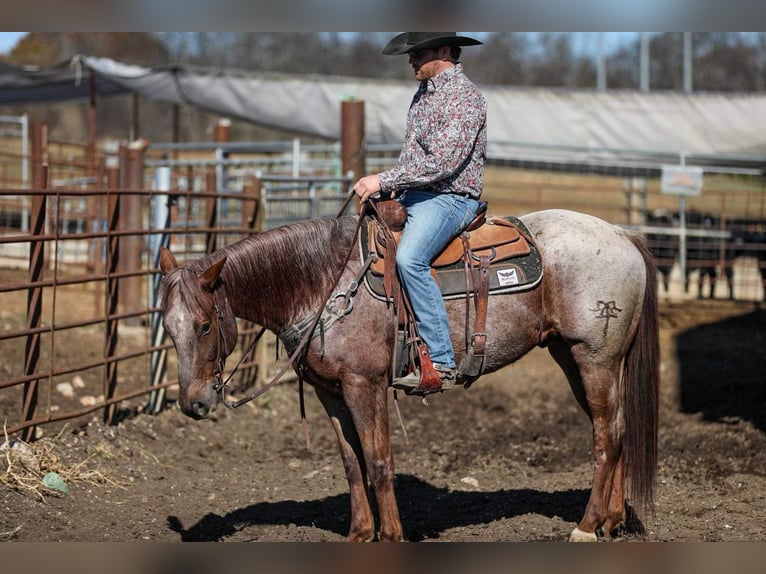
(35, 275)
(211, 210)
(222, 135)
(112, 287)
(635, 194)
(353, 148)
(158, 359)
(253, 220)
(130, 221)
(252, 206)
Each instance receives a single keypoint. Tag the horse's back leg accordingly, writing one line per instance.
(594, 387)
(362, 527)
(616, 515)
(601, 389)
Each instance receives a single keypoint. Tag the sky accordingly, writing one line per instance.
(8, 40)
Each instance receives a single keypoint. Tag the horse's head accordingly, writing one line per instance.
(199, 320)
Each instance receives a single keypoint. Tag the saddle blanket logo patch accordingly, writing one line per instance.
(507, 277)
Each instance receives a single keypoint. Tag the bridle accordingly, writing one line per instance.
(219, 386)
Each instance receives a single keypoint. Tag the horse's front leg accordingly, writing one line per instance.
(368, 403)
(362, 527)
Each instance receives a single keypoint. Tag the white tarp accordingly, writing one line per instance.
(671, 122)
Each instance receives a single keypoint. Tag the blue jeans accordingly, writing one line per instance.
(433, 220)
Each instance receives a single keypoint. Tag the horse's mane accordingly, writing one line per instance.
(284, 272)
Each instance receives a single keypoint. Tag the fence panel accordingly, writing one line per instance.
(82, 334)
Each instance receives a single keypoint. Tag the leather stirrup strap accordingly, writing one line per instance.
(470, 286)
(482, 301)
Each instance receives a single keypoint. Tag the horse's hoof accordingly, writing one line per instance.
(360, 537)
(580, 536)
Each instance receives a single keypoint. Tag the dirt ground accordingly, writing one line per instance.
(507, 460)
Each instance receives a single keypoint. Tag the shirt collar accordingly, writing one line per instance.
(441, 79)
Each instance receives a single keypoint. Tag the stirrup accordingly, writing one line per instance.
(410, 383)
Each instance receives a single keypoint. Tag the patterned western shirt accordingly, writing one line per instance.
(446, 140)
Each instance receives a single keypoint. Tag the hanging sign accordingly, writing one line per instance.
(681, 180)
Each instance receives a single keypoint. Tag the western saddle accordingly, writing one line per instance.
(483, 241)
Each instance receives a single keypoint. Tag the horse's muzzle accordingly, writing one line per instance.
(200, 410)
(199, 405)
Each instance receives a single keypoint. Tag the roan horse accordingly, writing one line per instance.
(595, 310)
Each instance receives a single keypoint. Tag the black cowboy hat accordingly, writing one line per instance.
(407, 42)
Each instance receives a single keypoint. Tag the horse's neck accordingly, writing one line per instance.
(269, 290)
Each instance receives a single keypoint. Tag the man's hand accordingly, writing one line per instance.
(367, 186)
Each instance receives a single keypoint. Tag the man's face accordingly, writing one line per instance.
(428, 63)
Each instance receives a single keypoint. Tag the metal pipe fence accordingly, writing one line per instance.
(83, 335)
(80, 328)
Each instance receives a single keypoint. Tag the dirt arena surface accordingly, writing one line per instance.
(507, 460)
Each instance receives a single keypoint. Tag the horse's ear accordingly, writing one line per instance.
(168, 261)
(209, 277)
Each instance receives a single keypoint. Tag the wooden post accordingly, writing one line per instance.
(130, 220)
(91, 150)
(252, 206)
(35, 275)
(222, 130)
(353, 151)
(135, 127)
(176, 128)
(211, 210)
(252, 219)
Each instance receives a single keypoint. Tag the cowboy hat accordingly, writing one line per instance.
(407, 42)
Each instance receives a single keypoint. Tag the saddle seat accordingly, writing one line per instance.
(491, 236)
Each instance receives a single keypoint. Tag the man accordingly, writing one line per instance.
(439, 175)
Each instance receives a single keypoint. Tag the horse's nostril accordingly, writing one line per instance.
(200, 409)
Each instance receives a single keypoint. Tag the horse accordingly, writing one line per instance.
(595, 310)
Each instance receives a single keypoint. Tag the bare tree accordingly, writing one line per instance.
(725, 61)
(501, 60)
(623, 68)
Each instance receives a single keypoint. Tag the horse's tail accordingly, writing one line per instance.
(641, 380)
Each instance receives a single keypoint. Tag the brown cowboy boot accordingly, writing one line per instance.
(428, 379)
(410, 383)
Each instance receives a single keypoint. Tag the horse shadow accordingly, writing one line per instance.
(428, 511)
(721, 369)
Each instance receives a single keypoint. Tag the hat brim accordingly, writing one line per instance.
(398, 44)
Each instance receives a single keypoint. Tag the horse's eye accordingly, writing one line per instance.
(204, 329)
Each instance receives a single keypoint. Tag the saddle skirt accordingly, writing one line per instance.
(515, 263)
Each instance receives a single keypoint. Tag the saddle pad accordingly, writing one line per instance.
(515, 272)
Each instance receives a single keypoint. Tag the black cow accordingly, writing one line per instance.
(663, 247)
(704, 254)
(749, 240)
